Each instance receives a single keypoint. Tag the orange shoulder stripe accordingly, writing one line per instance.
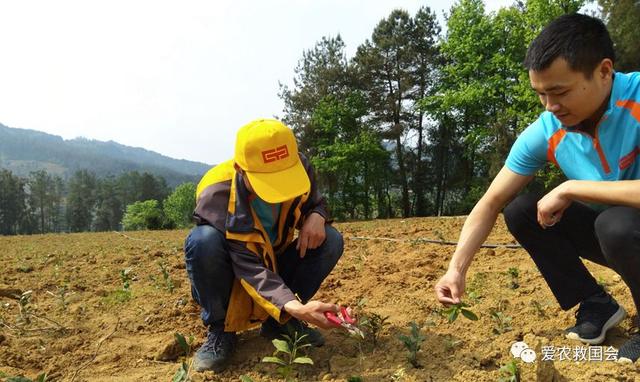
(633, 106)
(554, 141)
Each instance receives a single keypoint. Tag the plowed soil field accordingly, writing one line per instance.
(106, 306)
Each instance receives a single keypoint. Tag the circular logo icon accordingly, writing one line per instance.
(528, 355)
(517, 348)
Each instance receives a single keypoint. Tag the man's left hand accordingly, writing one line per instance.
(312, 234)
(552, 206)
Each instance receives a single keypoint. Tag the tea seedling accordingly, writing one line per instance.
(413, 342)
(450, 343)
(477, 284)
(167, 282)
(125, 276)
(456, 309)
(26, 310)
(514, 273)
(603, 283)
(290, 348)
(503, 323)
(63, 291)
(373, 324)
(538, 308)
(182, 375)
(510, 372)
(167, 278)
(355, 378)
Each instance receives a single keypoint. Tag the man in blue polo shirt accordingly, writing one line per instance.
(591, 131)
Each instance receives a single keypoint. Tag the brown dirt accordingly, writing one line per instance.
(109, 340)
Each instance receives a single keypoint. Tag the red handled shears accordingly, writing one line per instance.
(344, 320)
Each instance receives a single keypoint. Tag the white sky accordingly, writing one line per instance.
(176, 77)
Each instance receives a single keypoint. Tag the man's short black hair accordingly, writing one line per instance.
(583, 41)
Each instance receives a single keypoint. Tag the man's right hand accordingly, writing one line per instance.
(450, 287)
(312, 312)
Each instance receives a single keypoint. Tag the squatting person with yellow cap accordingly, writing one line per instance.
(244, 265)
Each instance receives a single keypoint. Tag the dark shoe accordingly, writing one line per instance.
(630, 351)
(271, 330)
(216, 351)
(593, 319)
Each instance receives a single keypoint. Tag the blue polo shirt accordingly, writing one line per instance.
(611, 154)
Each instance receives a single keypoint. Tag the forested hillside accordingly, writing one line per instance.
(23, 151)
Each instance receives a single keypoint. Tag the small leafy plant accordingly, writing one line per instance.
(290, 350)
(413, 342)
(476, 286)
(510, 372)
(373, 324)
(514, 273)
(456, 309)
(182, 375)
(125, 276)
(26, 309)
(539, 309)
(451, 342)
(167, 283)
(502, 322)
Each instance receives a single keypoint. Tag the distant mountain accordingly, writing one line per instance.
(23, 151)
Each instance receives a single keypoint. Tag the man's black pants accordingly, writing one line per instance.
(610, 238)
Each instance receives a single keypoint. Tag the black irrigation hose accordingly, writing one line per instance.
(430, 241)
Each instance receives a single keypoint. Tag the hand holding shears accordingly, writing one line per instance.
(344, 320)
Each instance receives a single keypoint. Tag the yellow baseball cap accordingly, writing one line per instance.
(267, 151)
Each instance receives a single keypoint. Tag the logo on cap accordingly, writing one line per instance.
(273, 155)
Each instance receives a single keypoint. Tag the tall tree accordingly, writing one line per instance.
(109, 206)
(81, 201)
(622, 17)
(45, 200)
(12, 202)
(322, 71)
(385, 63)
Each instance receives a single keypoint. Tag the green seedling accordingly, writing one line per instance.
(355, 378)
(182, 375)
(26, 310)
(456, 309)
(373, 324)
(503, 323)
(476, 285)
(124, 294)
(514, 273)
(62, 295)
(245, 378)
(413, 342)
(538, 308)
(168, 283)
(125, 276)
(510, 372)
(450, 343)
(603, 283)
(290, 349)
